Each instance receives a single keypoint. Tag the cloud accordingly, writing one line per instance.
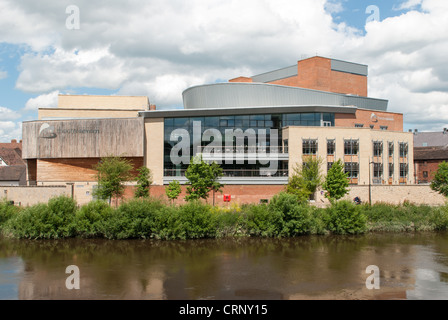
(49, 100)
(3, 74)
(10, 130)
(8, 114)
(408, 4)
(159, 48)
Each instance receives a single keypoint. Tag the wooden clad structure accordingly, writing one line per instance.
(83, 138)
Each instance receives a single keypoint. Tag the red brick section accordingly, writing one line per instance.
(241, 194)
(241, 79)
(428, 166)
(393, 121)
(315, 73)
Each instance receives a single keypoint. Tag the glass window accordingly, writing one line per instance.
(329, 165)
(308, 117)
(391, 149)
(425, 174)
(309, 147)
(403, 150)
(359, 125)
(391, 170)
(351, 147)
(169, 122)
(257, 117)
(377, 170)
(285, 146)
(403, 170)
(293, 117)
(384, 127)
(331, 147)
(211, 122)
(377, 148)
(352, 168)
(181, 122)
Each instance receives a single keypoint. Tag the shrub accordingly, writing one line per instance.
(230, 222)
(168, 226)
(439, 218)
(52, 221)
(260, 221)
(344, 217)
(135, 219)
(90, 220)
(7, 211)
(197, 221)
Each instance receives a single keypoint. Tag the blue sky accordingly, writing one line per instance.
(159, 48)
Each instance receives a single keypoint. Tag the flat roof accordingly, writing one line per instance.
(179, 113)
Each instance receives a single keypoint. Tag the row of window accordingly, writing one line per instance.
(352, 168)
(351, 147)
(360, 125)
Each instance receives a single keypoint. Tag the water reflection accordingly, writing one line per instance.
(413, 266)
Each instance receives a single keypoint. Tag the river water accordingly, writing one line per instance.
(411, 266)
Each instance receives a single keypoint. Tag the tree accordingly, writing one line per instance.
(202, 178)
(144, 181)
(173, 190)
(336, 183)
(440, 181)
(306, 179)
(113, 172)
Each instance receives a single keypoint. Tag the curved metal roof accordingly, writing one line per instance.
(244, 95)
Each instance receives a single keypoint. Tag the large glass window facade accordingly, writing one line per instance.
(265, 122)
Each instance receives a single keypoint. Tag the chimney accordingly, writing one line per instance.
(14, 141)
(152, 107)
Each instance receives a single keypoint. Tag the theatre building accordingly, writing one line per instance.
(257, 128)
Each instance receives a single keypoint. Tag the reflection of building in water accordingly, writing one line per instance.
(51, 285)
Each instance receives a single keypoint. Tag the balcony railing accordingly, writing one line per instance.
(245, 150)
(231, 173)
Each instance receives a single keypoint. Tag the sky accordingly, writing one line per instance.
(159, 48)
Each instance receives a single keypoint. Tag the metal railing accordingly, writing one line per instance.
(245, 150)
(231, 173)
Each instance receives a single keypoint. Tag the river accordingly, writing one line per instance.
(410, 266)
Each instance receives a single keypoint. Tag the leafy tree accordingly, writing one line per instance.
(202, 178)
(440, 181)
(144, 181)
(173, 190)
(306, 179)
(336, 183)
(113, 172)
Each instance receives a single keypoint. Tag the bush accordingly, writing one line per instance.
(230, 222)
(168, 225)
(7, 211)
(135, 219)
(197, 221)
(439, 218)
(262, 222)
(52, 221)
(344, 217)
(90, 220)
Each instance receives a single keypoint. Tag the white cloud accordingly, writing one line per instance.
(159, 48)
(8, 114)
(49, 100)
(408, 4)
(3, 74)
(10, 130)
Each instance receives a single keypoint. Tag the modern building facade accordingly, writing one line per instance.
(257, 128)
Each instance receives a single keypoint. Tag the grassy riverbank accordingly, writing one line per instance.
(153, 219)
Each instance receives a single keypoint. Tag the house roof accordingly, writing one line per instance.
(12, 173)
(431, 139)
(431, 153)
(12, 157)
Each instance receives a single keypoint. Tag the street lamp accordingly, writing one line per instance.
(370, 184)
